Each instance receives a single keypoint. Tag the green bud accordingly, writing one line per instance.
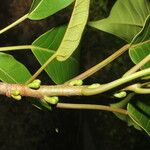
(18, 97)
(35, 84)
(51, 100)
(15, 92)
(76, 83)
(121, 94)
(95, 85)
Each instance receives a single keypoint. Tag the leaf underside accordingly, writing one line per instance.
(126, 18)
(74, 30)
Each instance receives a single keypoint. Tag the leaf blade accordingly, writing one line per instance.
(138, 53)
(137, 114)
(41, 9)
(74, 31)
(126, 19)
(58, 71)
(12, 71)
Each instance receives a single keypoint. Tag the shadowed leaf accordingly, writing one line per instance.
(140, 114)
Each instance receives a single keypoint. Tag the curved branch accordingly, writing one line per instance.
(103, 88)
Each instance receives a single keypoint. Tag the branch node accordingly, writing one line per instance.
(76, 83)
(120, 94)
(35, 84)
(51, 100)
(15, 94)
(95, 85)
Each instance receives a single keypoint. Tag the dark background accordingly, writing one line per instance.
(22, 126)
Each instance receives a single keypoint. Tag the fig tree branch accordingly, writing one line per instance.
(68, 90)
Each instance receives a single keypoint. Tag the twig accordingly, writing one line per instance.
(42, 68)
(91, 106)
(87, 91)
(14, 24)
(23, 47)
(138, 66)
(102, 64)
(138, 89)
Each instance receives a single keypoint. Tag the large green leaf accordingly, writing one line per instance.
(139, 52)
(11, 71)
(74, 31)
(58, 71)
(126, 19)
(140, 114)
(41, 9)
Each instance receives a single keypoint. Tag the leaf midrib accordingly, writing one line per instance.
(53, 52)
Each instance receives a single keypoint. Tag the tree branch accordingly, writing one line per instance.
(67, 90)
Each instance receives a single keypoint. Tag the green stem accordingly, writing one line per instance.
(137, 66)
(12, 48)
(137, 88)
(22, 47)
(139, 44)
(103, 88)
(42, 68)
(102, 64)
(14, 24)
(142, 90)
(91, 106)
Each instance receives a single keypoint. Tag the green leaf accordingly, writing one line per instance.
(74, 31)
(58, 71)
(126, 18)
(140, 114)
(139, 52)
(12, 71)
(41, 9)
(123, 104)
